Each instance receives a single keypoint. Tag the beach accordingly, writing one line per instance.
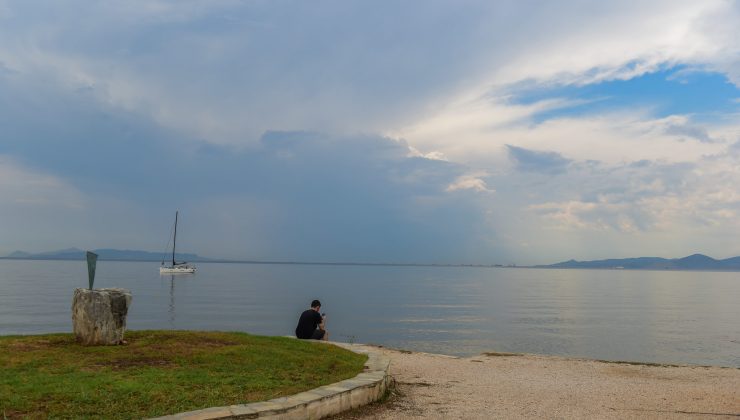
(511, 386)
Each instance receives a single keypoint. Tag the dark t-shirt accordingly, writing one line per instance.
(307, 324)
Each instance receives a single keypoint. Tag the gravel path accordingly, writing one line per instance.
(529, 386)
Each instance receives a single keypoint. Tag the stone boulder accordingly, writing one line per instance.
(99, 315)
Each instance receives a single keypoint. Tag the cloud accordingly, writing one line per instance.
(681, 127)
(37, 207)
(473, 182)
(259, 66)
(538, 161)
(337, 67)
(694, 132)
(260, 121)
(5, 70)
(641, 208)
(615, 197)
(296, 196)
(23, 188)
(618, 41)
(310, 196)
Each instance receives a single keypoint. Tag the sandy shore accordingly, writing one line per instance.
(530, 386)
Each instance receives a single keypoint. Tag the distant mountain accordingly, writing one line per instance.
(103, 254)
(18, 254)
(692, 262)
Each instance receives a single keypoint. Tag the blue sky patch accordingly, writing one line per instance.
(671, 91)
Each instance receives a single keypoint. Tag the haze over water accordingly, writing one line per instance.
(647, 316)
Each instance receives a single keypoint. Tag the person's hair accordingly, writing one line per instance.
(315, 303)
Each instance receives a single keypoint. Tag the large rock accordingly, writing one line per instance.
(99, 315)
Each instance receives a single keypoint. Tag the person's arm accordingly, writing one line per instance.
(323, 320)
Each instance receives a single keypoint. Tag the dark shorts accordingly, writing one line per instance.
(318, 334)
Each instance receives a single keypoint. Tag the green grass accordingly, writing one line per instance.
(159, 373)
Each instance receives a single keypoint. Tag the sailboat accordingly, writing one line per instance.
(176, 267)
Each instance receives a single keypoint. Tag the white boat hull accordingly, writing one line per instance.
(177, 270)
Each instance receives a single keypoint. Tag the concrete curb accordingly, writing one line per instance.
(324, 401)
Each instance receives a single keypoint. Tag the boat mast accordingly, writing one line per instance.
(174, 240)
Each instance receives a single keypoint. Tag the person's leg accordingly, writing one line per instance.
(326, 336)
(318, 335)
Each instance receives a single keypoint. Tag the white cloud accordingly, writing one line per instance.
(473, 182)
(621, 210)
(575, 45)
(433, 155)
(228, 71)
(621, 136)
(469, 126)
(619, 41)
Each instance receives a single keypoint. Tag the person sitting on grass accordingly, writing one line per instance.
(311, 324)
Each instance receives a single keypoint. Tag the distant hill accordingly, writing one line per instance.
(692, 262)
(103, 254)
(18, 254)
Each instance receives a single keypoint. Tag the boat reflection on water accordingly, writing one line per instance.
(178, 285)
(171, 309)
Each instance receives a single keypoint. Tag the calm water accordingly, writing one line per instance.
(650, 316)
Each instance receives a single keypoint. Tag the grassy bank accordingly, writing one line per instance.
(159, 372)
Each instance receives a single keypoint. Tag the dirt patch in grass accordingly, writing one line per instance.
(40, 344)
(132, 363)
(213, 339)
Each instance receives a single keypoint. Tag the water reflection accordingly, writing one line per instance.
(171, 310)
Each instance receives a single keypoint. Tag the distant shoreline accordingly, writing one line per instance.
(369, 264)
(208, 261)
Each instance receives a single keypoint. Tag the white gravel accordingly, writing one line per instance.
(530, 386)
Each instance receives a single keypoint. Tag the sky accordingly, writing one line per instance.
(507, 132)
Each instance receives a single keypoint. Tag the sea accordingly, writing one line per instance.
(672, 317)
